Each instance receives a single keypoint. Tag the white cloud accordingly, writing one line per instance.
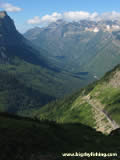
(110, 16)
(68, 16)
(74, 16)
(9, 7)
(35, 20)
(45, 19)
(51, 18)
(80, 15)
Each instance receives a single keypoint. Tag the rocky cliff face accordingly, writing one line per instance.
(13, 44)
(8, 32)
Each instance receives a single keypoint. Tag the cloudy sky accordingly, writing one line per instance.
(30, 13)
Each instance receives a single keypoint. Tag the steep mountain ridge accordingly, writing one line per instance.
(97, 105)
(13, 44)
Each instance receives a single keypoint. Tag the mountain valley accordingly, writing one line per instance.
(59, 94)
(21, 58)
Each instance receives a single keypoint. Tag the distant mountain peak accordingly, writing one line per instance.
(7, 30)
(6, 21)
(57, 23)
(13, 44)
(3, 14)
